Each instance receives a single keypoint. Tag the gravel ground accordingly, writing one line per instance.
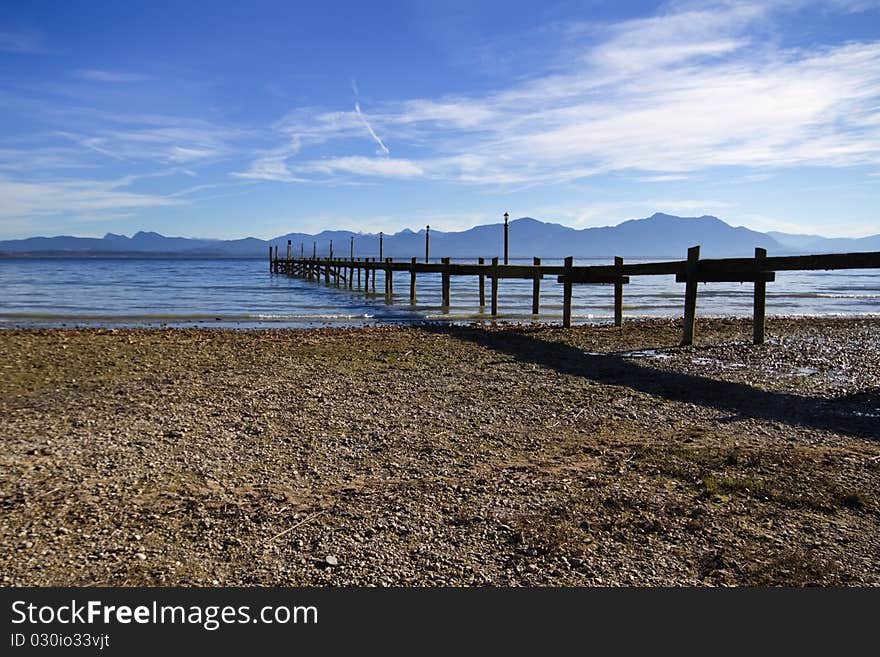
(442, 455)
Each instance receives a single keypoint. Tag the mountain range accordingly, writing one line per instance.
(660, 235)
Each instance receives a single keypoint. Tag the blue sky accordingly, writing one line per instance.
(229, 119)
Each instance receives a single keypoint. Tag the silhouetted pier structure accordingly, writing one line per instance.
(360, 273)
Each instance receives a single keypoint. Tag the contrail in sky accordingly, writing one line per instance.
(357, 108)
(382, 146)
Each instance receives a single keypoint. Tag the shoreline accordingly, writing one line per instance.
(260, 323)
(436, 455)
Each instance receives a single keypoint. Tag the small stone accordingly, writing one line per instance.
(28, 545)
(140, 556)
(330, 560)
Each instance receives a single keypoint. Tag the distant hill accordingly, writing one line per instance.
(660, 235)
(817, 244)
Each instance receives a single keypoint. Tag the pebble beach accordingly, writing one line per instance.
(437, 455)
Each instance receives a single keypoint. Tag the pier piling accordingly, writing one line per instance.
(759, 308)
(690, 296)
(536, 288)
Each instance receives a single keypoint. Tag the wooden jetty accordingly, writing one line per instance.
(759, 270)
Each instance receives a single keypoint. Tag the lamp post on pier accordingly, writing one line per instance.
(506, 237)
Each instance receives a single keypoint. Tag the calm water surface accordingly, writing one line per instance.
(242, 293)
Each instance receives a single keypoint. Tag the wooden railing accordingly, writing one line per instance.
(692, 271)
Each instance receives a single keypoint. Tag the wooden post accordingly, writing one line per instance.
(271, 269)
(482, 261)
(389, 281)
(618, 295)
(351, 274)
(536, 289)
(427, 242)
(759, 312)
(327, 274)
(359, 273)
(494, 276)
(690, 297)
(445, 279)
(288, 249)
(566, 293)
(381, 239)
(276, 252)
(351, 249)
(302, 250)
(331, 250)
(374, 277)
(412, 283)
(314, 250)
(337, 270)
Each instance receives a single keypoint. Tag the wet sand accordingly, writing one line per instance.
(441, 455)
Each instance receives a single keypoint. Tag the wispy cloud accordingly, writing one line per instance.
(42, 158)
(23, 43)
(365, 166)
(25, 199)
(669, 177)
(159, 139)
(605, 213)
(272, 164)
(658, 98)
(97, 217)
(98, 75)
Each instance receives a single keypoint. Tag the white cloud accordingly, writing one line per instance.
(670, 177)
(685, 90)
(462, 113)
(98, 75)
(23, 199)
(157, 139)
(97, 217)
(40, 159)
(24, 43)
(272, 165)
(385, 167)
(180, 154)
(607, 213)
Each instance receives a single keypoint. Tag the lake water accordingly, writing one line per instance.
(242, 293)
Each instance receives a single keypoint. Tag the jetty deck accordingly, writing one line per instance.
(360, 273)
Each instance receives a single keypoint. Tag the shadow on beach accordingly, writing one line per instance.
(854, 415)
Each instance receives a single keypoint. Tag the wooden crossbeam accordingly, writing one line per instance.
(598, 279)
(732, 277)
